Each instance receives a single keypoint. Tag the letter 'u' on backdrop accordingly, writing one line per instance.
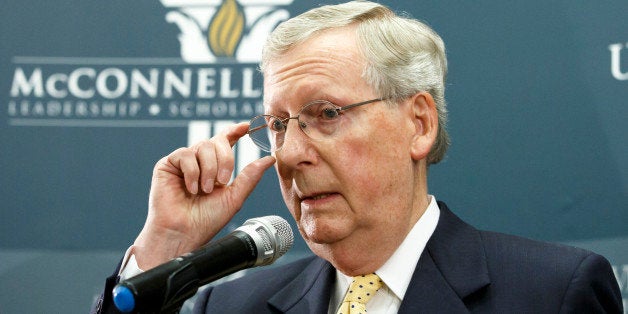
(92, 94)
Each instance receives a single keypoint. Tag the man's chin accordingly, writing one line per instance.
(319, 233)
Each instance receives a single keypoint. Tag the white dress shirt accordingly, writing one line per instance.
(397, 271)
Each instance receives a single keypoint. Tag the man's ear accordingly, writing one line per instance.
(425, 118)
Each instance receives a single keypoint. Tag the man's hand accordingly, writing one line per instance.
(191, 199)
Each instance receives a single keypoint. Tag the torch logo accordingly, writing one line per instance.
(213, 31)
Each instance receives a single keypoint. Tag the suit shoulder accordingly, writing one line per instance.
(570, 278)
(250, 293)
(542, 264)
(506, 245)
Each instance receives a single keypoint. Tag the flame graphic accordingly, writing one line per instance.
(226, 29)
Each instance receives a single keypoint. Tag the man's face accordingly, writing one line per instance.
(358, 186)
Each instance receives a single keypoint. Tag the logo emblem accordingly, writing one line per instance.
(213, 31)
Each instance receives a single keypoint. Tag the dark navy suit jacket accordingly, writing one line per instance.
(461, 270)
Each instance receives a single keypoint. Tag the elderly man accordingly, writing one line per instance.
(355, 115)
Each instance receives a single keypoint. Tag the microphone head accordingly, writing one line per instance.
(272, 235)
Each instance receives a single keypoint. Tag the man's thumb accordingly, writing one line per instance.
(247, 179)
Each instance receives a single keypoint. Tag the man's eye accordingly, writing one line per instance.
(329, 113)
(276, 125)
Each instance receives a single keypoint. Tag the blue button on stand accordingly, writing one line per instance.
(123, 298)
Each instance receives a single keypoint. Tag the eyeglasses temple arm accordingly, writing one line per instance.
(361, 103)
(255, 129)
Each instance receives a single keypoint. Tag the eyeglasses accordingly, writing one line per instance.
(318, 119)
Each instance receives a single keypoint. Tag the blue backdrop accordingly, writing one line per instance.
(92, 94)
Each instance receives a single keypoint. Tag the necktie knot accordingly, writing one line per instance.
(361, 290)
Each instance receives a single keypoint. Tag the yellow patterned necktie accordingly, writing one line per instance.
(361, 290)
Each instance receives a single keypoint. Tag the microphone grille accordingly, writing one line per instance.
(284, 236)
(272, 236)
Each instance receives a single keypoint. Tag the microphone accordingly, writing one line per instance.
(259, 241)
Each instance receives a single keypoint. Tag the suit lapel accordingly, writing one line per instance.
(307, 293)
(429, 291)
(451, 268)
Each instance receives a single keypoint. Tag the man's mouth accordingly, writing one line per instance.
(319, 196)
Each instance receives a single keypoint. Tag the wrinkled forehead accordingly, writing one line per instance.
(329, 64)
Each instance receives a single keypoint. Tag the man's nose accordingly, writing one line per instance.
(297, 146)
